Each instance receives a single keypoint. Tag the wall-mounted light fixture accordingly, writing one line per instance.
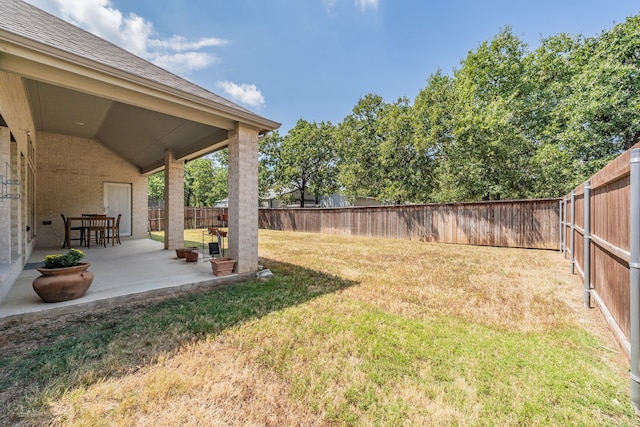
(6, 182)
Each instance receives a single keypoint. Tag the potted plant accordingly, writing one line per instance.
(64, 277)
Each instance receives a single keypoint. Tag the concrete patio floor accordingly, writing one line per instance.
(134, 271)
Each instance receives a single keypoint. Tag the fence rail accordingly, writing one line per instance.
(519, 223)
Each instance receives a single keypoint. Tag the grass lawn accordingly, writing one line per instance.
(350, 331)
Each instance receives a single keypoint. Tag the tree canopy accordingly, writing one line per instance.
(508, 123)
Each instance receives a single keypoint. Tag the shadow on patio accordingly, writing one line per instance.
(136, 270)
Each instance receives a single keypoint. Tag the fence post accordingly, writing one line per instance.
(634, 278)
(561, 223)
(586, 266)
(564, 227)
(572, 237)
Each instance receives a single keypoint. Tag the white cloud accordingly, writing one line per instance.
(184, 63)
(179, 43)
(135, 34)
(364, 4)
(245, 93)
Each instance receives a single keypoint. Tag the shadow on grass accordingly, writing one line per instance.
(41, 360)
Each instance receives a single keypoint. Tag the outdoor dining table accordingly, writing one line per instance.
(82, 221)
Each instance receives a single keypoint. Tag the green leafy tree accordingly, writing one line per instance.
(220, 185)
(552, 71)
(405, 167)
(304, 160)
(198, 182)
(434, 114)
(478, 126)
(358, 141)
(155, 186)
(267, 159)
(205, 181)
(603, 108)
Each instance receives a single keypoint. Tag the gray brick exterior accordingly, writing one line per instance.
(173, 202)
(243, 198)
(71, 176)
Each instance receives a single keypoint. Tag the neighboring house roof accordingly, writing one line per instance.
(114, 94)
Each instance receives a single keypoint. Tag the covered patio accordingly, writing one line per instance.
(139, 270)
(83, 123)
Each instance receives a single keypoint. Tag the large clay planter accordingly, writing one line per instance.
(222, 266)
(63, 284)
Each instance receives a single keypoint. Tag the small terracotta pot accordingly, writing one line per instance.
(191, 256)
(182, 252)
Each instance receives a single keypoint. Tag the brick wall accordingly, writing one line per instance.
(14, 248)
(71, 175)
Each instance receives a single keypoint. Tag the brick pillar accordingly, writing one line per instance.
(243, 198)
(173, 202)
(16, 204)
(5, 205)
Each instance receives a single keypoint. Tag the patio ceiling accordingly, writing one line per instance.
(137, 134)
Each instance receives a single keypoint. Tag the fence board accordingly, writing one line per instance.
(610, 243)
(520, 223)
(193, 218)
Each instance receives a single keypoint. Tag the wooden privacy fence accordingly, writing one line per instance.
(193, 218)
(519, 223)
(601, 235)
(596, 219)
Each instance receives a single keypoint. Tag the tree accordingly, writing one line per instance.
(405, 168)
(205, 181)
(155, 186)
(267, 152)
(603, 108)
(304, 160)
(220, 185)
(552, 70)
(477, 129)
(434, 114)
(198, 182)
(358, 141)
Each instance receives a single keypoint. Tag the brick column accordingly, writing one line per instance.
(5, 205)
(16, 204)
(173, 202)
(243, 198)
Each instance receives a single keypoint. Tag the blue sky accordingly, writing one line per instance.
(313, 59)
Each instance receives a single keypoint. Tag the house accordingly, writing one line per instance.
(339, 201)
(287, 199)
(274, 200)
(84, 122)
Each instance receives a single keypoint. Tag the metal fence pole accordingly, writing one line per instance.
(564, 226)
(634, 278)
(586, 267)
(560, 221)
(572, 237)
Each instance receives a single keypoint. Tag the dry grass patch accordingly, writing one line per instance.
(518, 289)
(351, 331)
(205, 383)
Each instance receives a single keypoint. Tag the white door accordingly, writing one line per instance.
(117, 200)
